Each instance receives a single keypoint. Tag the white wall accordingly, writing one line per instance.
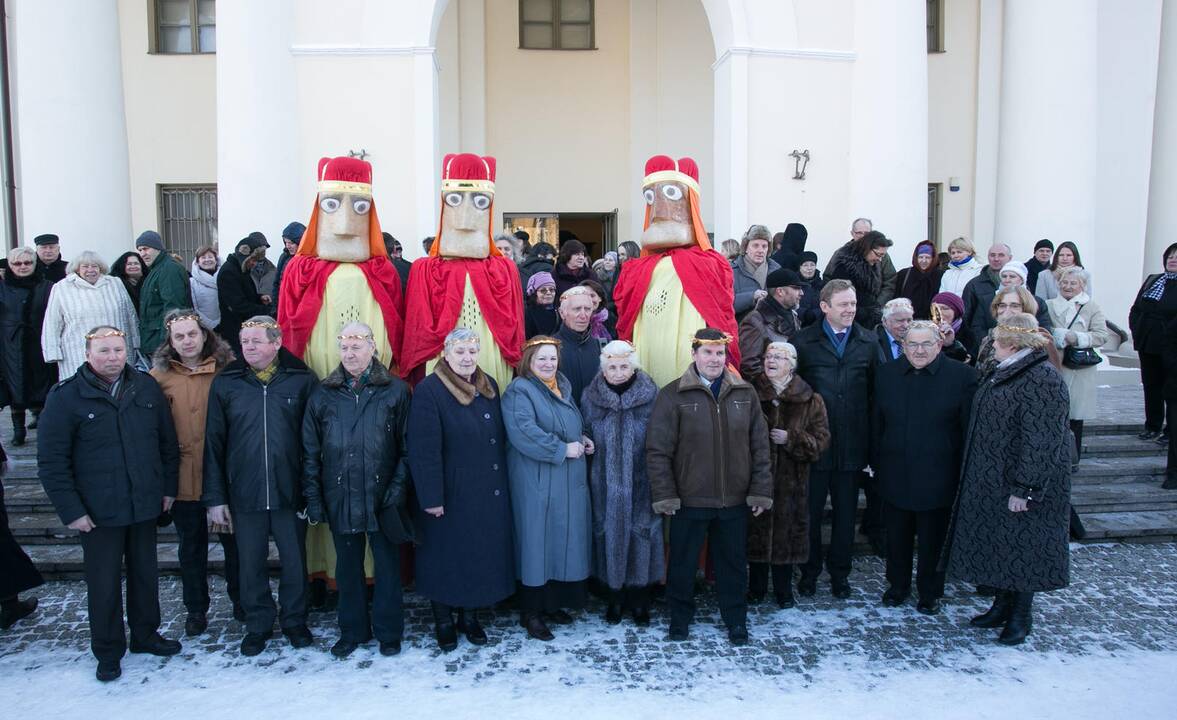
(952, 119)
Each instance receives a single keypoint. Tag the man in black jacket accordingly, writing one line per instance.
(50, 266)
(897, 316)
(396, 254)
(918, 423)
(837, 358)
(353, 436)
(291, 237)
(580, 352)
(108, 458)
(253, 470)
(980, 291)
(238, 297)
(774, 319)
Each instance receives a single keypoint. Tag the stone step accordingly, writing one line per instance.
(61, 562)
(1139, 526)
(1091, 429)
(1120, 446)
(1122, 497)
(1098, 470)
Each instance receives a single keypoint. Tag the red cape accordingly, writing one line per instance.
(304, 282)
(706, 279)
(434, 301)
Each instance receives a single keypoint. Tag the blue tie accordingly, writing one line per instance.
(894, 349)
(841, 337)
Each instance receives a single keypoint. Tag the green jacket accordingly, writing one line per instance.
(166, 288)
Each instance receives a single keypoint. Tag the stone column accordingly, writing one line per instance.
(1162, 193)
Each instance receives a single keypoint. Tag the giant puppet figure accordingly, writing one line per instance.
(679, 284)
(340, 274)
(465, 281)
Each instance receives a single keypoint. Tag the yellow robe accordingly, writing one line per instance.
(665, 325)
(490, 359)
(346, 299)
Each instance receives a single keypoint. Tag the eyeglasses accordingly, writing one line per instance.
(24, 263)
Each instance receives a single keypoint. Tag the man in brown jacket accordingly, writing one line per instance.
(707, 455)
(774, 319)
(184, 367)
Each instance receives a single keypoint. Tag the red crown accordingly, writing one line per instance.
(686, 166)
(345, 169)
(467, 171)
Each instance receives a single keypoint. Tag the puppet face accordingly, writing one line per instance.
(465, 224)
(343, 227)
(670, 217)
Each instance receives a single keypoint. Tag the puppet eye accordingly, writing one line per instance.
(649, 196)
(481, 202)
(361, 206)
(329, 204)
(453, 199)
(672, 192)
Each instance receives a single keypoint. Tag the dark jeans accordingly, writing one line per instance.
(1152, 376)
(192, 530)
(726, 531)
(253, 530)
(903, 527)
(103, 551)
(387, 618)
(842, 489)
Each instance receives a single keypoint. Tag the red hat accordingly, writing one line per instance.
(467, 172)
(663, 168)
(345, 174)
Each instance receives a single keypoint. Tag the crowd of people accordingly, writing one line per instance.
(952, 393)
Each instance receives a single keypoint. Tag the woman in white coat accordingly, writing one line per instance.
(86, 298)
(203, 281)
(1078, 323)
(962, 267)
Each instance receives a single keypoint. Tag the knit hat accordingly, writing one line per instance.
(952, 300)
(294, 231)
(1016, 267)
(46, 239)
(808, 256)
(1043, 243)
(538, 280)
(925, 248)
(151, 239)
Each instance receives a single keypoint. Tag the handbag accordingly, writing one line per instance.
(1077, 358)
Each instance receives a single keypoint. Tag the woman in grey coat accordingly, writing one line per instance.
(547, 471)
(1012, 511)
(627, 536)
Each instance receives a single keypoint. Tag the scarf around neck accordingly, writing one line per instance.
(758, 272)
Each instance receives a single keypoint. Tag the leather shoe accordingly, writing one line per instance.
(18, 437)
(930, 606)
(641, 616)
(155, 645)
(678, 633)
(447, 636)
(253, 643)
(471, 628)
(195, 624)
(537, 629)
(299, 636)
(755, 598)
(893, 599)
(15, 611)
(807, 586)
(558, 617)
(390, 648)
(108, 670)
(343, 648)
(784, 600)
(1149, 435)
(840, 589)
(613, 614)
(738, 635)
(1170, 482)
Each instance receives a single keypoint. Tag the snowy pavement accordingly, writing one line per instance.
(1106, 647)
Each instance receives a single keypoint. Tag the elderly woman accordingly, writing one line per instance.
(549, 489)
(947, 313)
(1010, 519)
(539, 314)
(509, 247)
(1078, 323)
(798, 432)
(130, 269)
(25, 376)
(87, 298)
(457, 458)
(355, 478)
(962, 267)
(627, 535)
(607, 273)
(203, 281)
(572, 266)
(1011, 300)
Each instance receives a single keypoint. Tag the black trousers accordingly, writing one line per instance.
(782, 578)
(903, 528)
(1152, 376)
(103, 551)
(842, 489)
(192, 530)
(253, 530)
(17, 571)
(726, 531)
(387, 618)
(1172, 472)
(872, 515)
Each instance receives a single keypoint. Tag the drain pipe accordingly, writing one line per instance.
(6, 132)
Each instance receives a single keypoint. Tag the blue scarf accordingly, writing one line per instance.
(839, 347)
(958, 263)
(1158, 288)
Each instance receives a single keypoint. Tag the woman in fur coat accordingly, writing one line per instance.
(627, 535)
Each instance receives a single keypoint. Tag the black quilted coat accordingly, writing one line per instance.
(1017, 444)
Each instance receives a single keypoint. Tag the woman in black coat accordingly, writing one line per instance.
(627, 535)
(809, 311)
(572, 266)
(26, 377)
(860, 262)
(457, 458)
(539, 310)
(131, 270)
(1011, 517)
(920, 282)
(1171, 399)
(17, 572)
(1154, 308)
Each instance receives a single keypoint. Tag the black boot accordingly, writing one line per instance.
(782, 586)
(1078, 532)
(14, 609)
(443, 626)
(1020, 621)
(468, 624)
(1170, 482)
(757, 582)
(19, 435)
(35, 420)
(317, 595)
(536, 627)
(998, 614)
